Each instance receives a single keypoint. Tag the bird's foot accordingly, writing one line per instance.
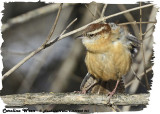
(110, 94)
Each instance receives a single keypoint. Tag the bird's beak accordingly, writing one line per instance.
(79, 36)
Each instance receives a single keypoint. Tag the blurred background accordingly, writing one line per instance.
(61, 67)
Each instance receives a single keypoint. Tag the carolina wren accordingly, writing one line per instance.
(110, 49)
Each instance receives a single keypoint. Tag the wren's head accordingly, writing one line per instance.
(97, 37)
(94, 32)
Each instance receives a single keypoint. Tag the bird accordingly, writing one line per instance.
(110, 49)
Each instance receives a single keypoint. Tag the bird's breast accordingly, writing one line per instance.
(111, 64)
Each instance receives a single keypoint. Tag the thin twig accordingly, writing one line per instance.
(97, 13)
(137, 77)
(147, 37)
(130, 18)
(127, 23)
(72, 98)
(103, 10)
(68, 34)
(56, 39)
(90, 12)
(148, 30)
(144, 64)
(129, 83)
(71, 23)
(54, 25)
(144, 34)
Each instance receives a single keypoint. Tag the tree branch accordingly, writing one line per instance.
(72, 98)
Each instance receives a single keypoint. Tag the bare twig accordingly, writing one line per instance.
(90, 12)
(144, 64)
(71, 23)
(129, 83)
(56, 39)
(134, 22)
(96, 12)
(151, 28)
(137, 77)
(72, 98)
(54, 26)
(95, 9)
(130, 18)
(103, 10)
(68, 34)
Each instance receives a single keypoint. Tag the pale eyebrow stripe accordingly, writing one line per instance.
(96, 31)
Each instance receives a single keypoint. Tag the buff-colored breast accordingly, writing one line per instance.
(113, 63)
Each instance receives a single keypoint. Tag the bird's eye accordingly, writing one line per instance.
(90, 35)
